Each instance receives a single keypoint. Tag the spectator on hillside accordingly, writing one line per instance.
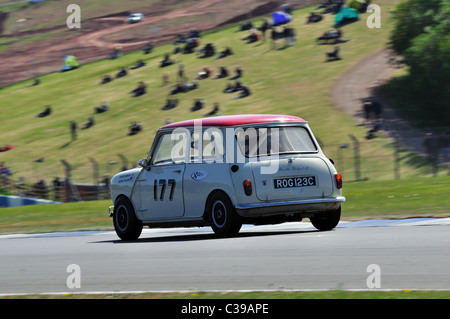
(182, 87)
(44, 113)
(274, 36)
(139, 64)
(103, 108)
(4, 170)
(333, 55)
(190, 45)
(194, 34)
(375, 128)
(73, 130)
(40, 189)
(367, 108)
(117, 52)
(56, 182)
(286, 7)
(204, 74)
(377, 109)
(122, 72)
(238, 73)
(134, 128)
(165, 78)
(372, 110)
(140, 90)
(223, 73)
(263, 28)
(198, 104)
(208, 50)
(148, 47)
(6, 148)
(252, 37)
(105, 79)
(180, 73)
(289, 36)
(177, 50)
(230, 88)
(245, 91)
(180, 39)
(224, 53)
(166, 61)
(246, 26)
(36, 81)
(214, 111)
(333, 35)
(58, 189)
(89, 123)
(314, 17)
(170, 104)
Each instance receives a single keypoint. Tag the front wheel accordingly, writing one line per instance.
(223, 218)
(126, 224)
(327, 220)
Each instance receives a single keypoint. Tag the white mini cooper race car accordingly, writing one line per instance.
(226, 171)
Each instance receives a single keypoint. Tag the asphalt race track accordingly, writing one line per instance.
(381, 254)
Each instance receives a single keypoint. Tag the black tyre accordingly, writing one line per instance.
(327, 220)
(126, 224)
(222, 217)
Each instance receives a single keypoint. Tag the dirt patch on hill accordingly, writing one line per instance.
(90, 43)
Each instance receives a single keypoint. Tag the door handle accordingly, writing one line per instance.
(177, 171)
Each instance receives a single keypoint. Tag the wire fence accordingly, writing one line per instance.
(357, 159)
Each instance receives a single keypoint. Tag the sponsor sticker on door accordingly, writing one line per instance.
(199, 175)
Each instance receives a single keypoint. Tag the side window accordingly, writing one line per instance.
(169, 149)
(212, 146)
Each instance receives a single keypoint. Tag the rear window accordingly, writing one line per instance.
(254, 142)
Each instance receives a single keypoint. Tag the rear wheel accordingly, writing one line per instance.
(327, 220)
(223, 218)
(126, 224)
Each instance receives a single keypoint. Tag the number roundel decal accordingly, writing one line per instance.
(199, 175)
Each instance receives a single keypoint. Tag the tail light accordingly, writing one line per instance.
(338, 178)
(247, 187)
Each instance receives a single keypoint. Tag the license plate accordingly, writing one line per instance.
(290, 182)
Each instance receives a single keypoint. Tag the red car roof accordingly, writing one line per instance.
(236, 120)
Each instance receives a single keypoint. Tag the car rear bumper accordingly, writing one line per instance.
(298, 206)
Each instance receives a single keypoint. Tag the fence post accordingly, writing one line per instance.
(95, 170)
(124, 161)
(68, 170)
(341, 156)
(357, 157)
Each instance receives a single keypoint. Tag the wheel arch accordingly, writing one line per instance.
(120, 196)
(208, 201)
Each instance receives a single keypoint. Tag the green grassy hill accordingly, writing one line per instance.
(295, 81)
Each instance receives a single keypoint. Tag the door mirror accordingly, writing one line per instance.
(144, 163)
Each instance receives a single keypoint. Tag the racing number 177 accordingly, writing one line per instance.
(163, 184)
